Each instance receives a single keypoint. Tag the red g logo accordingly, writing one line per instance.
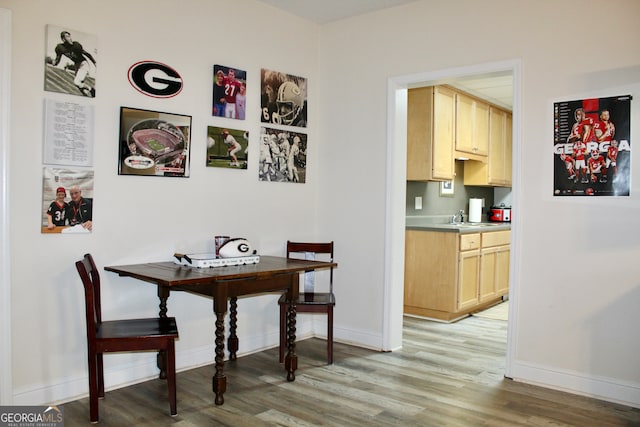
(155, 79)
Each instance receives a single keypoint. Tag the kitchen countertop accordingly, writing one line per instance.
(463, 228)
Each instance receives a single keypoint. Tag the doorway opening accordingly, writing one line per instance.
(396, 192)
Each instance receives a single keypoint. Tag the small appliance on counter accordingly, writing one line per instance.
(499, 213)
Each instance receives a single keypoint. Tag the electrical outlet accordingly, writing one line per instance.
(418, 204)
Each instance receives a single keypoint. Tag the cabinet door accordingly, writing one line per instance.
(419, 133)
(472, 125)
(508, 141)
(488, 260)
(502, 270)
(468, 277)
(465, 124)
(443, 133)
(497, 124)
(481, 128)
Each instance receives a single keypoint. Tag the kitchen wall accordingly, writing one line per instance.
(439, 207)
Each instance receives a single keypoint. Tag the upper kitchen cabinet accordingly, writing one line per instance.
(497, 170)
(430, 134)
(472, 127)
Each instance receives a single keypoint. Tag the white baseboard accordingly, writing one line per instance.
(143, 368)
(608, 389)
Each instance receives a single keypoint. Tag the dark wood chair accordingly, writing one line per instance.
(121, 335)
(310, 301)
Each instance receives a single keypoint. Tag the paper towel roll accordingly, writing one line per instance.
(475, 210)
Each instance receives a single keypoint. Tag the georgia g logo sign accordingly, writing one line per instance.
(155, 79)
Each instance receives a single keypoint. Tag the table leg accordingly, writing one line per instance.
(232, 342)
(291, 360)
(219, 379)
(161, 359)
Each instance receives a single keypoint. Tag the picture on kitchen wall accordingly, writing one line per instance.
(446, 188)
(229, 92)
(154, 143)
(227, 148)
(67, 201)
(592, 147)
(70, 62)
(283, 99)
(283, 156)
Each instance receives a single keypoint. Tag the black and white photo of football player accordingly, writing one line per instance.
(283, 156)
(70, 62)
(283, 99)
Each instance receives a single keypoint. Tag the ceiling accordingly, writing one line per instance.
(325, 11)
(496, 88)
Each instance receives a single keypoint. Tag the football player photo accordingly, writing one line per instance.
(229, 92)
(592, 147)
(227, 148)
(283, 99)
(70, 62)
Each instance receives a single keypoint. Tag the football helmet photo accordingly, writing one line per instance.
(289, 101)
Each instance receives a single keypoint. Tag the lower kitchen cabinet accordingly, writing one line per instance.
(449, 275)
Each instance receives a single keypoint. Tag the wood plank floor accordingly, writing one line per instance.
(445, 375)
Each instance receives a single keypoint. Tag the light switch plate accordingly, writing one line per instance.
(418, 204)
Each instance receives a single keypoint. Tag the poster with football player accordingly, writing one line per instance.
(229, 92)
(70, 62)
(283, 99)
(592, 147)
(67, 201)
(283, 156)
(227, 148)
(154, 143)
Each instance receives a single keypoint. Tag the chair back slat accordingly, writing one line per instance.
(91, 282)
(302, 251)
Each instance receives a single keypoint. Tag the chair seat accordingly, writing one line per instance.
(319, 298)
(139, 328)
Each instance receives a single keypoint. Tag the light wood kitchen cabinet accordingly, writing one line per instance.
(472, 127)
(494, 265)
(430, 134)
(497, 170)
(468, 271)
(448, 275)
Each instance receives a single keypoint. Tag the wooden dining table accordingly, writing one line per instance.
(223, 284)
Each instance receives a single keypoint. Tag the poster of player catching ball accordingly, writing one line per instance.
(592, 147)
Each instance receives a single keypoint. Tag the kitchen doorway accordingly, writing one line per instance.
(396, 193)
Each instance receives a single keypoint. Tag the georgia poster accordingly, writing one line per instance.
(592, 147)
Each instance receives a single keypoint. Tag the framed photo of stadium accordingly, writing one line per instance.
(592, 147)
(154, 143)
(227, 148)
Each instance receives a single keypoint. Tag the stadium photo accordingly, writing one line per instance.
(154, 143)
(227, 148)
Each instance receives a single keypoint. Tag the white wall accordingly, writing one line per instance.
(577, 282)
(138, 219)
(577, 279)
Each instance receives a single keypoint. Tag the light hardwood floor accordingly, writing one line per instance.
(445, 375)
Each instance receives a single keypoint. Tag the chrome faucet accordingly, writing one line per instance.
(454, 218)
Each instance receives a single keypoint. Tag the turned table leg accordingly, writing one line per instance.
(233, 342)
